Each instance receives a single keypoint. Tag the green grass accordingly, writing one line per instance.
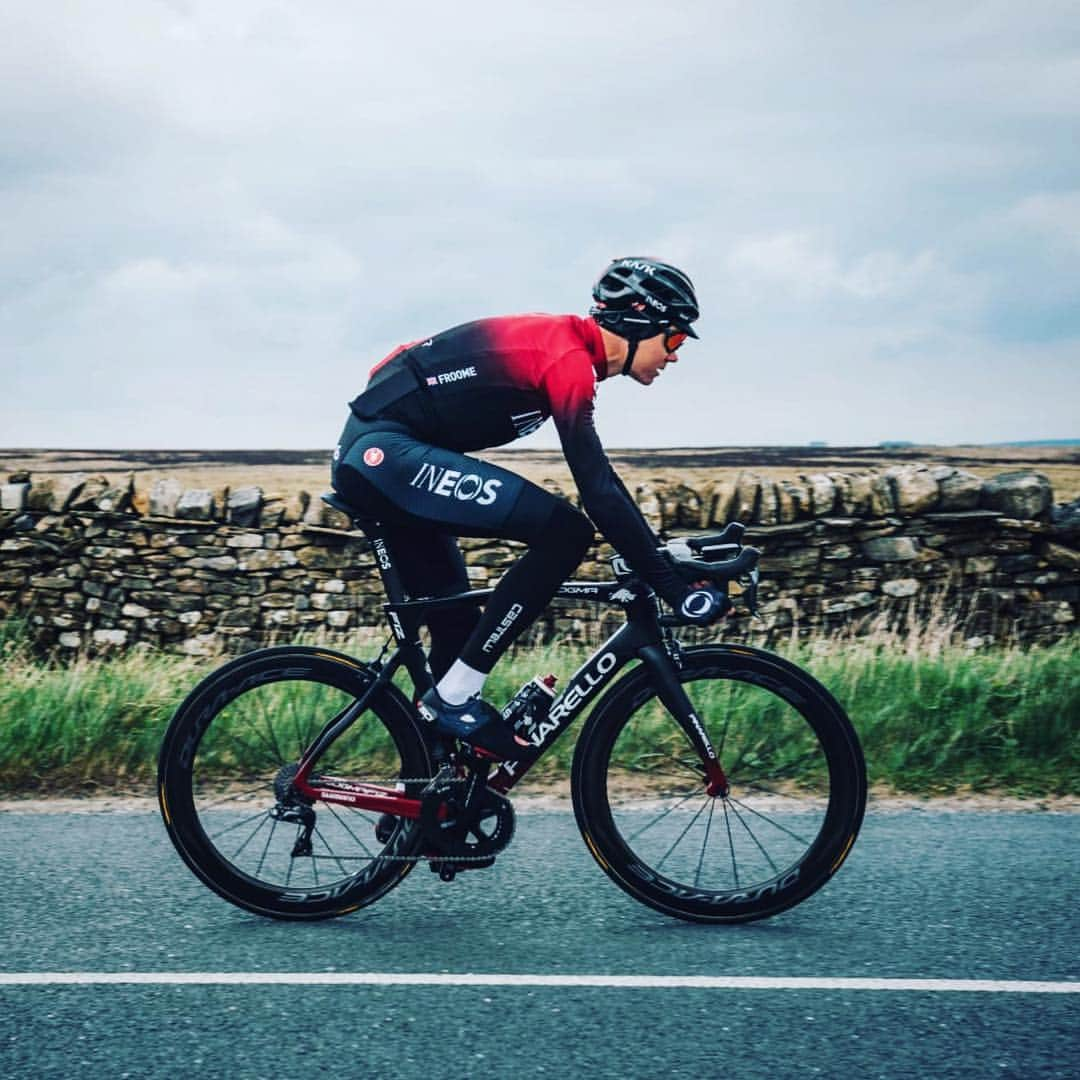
(933, 717)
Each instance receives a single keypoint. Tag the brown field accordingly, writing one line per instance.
(286, 471)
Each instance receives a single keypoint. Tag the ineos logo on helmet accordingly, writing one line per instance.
(633, 285)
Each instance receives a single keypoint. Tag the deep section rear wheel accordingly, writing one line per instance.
(796, 796)
(228, 757)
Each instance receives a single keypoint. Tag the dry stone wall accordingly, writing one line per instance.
(197, 571)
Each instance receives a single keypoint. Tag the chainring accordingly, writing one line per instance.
(487, 832)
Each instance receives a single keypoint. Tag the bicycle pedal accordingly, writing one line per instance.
(448, 870)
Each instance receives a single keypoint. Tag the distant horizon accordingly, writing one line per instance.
(885, 444)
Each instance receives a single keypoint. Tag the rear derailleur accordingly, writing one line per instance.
(294, 809)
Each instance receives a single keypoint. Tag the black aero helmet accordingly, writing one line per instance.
(637, 298)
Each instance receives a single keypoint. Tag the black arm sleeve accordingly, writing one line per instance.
(603, 494)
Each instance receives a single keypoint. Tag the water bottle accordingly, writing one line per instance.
(530, 705)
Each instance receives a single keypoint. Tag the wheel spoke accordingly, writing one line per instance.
(269, 749)
(303, 738)
(724, 731)
(345, 825)
(766, 818)
(742, 821)
(759, 785)
(264, 817)
(705, 842)
(292, 859)
(281, 756)
(269, 709)
(684, 765)
(731, 845)
(678, 839)
(266, 847)
(793, 768)
(660, 817)
(236, 796)
(318, 833)
(649, 765)
(238, 824)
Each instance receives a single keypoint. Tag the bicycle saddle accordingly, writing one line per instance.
(357, 516)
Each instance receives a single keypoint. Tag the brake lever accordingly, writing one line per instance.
(749, 582)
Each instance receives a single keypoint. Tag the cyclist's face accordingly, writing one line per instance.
(651, 358)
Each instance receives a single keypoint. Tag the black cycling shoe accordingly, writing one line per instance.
(478, 724)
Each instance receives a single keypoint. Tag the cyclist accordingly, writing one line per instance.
(403, 458)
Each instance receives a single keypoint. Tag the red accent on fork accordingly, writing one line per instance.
(717, 780)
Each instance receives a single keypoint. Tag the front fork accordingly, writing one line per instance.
(669, 688)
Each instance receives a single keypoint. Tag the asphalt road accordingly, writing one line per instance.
(969, 895)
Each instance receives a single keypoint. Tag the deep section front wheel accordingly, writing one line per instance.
(224, 773)
(793, 804)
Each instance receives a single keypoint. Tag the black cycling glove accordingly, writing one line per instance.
(703, 605)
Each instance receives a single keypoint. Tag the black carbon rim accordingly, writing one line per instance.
(227, 745)
(796, 800)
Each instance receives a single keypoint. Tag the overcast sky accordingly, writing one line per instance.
(216, 216)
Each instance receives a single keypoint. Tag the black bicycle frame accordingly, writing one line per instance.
(641, 638)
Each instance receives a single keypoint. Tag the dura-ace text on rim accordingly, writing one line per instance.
(234, 736)
(796, 794)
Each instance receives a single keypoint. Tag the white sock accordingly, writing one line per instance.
(460, 683)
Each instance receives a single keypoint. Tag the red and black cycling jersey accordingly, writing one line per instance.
(489, 382)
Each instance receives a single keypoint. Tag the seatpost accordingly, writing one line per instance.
(404, 624)
(388, 571)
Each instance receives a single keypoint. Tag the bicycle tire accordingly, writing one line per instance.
(797, 776)
(242, 725)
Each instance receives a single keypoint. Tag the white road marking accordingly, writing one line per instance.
(613, 982)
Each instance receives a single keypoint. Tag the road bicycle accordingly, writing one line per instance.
(716, 783)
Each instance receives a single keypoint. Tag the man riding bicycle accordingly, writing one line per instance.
(403, 458)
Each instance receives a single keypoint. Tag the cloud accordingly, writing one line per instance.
(805, 263)
(1054, 216)
(274, 195)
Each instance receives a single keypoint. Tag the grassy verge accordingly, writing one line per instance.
(932, 716)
